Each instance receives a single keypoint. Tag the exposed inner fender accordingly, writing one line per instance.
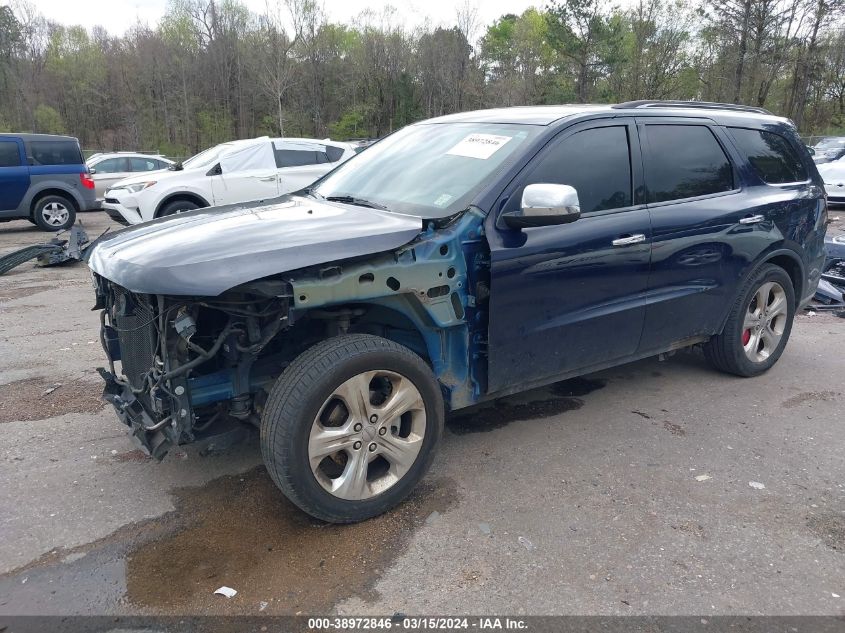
(428, 283)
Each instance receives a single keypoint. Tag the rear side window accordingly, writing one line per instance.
(684, 161)
(111, 166)
(771, 155)
(55, 153)
(597, 163)
(144, 164)
(295, 157)
(10, 156)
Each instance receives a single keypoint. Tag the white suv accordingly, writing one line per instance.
(238, 171)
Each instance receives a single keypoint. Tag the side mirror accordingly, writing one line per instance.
(92, 171)
(545, 205)
(811, 150)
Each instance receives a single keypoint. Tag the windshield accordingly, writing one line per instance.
(831, 143)
(205, 158)
(428, 170)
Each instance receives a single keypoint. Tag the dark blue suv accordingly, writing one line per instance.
(456, 261)
(44, 179)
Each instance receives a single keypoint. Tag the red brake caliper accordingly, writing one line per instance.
(746, 336)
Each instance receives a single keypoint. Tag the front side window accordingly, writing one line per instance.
(684, 161)
(430, 170)
(597, 163)
(55, 153)
(771, 156)
(10, 156)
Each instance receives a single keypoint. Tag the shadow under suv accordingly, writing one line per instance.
(456, 261)
(44, 179)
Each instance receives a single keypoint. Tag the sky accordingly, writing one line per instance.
(119, 15)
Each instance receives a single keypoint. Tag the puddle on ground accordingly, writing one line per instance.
(40, 398)
(238, 531)
(503, 411)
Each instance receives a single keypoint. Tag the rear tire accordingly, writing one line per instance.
(341, 458)
(176, 207)
(758, 326)
(54, 213)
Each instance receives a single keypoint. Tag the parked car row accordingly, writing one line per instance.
(44, 178)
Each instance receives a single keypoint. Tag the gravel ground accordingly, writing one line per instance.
(652, 488)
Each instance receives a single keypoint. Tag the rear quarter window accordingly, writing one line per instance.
(55, 153)
(771, 155)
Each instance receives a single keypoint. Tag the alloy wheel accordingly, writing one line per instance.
(55, 213)
(765, 321)
(367, 435)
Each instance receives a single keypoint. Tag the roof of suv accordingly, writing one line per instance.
(546, 115)
(40, 137)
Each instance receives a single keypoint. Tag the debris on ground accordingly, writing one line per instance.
(226, 591)
(702, 477)
(485, 528)
(47, 392)
(526, 544)
(262, 605)
(54, 253)
(432, 518)
(756, 485)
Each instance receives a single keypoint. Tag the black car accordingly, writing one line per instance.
(456, 261)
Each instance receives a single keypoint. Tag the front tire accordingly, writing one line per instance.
(758, 326)
(54, 213)
(351, 426)
(176, 207)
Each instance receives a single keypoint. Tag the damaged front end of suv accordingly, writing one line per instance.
(189, 363)
(183, 367)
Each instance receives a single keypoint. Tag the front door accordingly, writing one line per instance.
(570, 297)
(14, 174)
(245, 186)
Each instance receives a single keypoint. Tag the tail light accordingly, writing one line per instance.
(86, 181)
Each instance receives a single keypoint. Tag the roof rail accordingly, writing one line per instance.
(703, 105)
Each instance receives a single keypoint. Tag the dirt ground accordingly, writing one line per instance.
(652, 488)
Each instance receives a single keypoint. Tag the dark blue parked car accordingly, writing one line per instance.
(43, 178)
(455, 261)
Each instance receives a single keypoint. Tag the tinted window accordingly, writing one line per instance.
(10, 155)
(294, 157)
(596, 162)
(144, 164)
(333, 153)
(111, 166)
(55, 153)
(771, 155)
(683, 161)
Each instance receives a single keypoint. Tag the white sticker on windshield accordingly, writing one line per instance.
(481, 146)
(442, 200)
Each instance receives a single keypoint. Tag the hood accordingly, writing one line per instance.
(159, 175)
(834, 171)
(208, 251)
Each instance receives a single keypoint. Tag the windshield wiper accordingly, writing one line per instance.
(359, 202)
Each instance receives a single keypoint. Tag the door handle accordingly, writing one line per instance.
(751, 219)
(267, 178)
(627, 241)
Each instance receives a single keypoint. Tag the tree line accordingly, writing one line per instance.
(212, 71)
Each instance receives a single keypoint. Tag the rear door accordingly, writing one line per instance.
(14, 173)
(698, 216)
(572, 296)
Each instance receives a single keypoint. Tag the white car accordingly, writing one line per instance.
(108, 168)
(833, 175)
(238, 171)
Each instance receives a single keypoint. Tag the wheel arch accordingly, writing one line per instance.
(784, 258)
(53, 191)
(180, 195)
